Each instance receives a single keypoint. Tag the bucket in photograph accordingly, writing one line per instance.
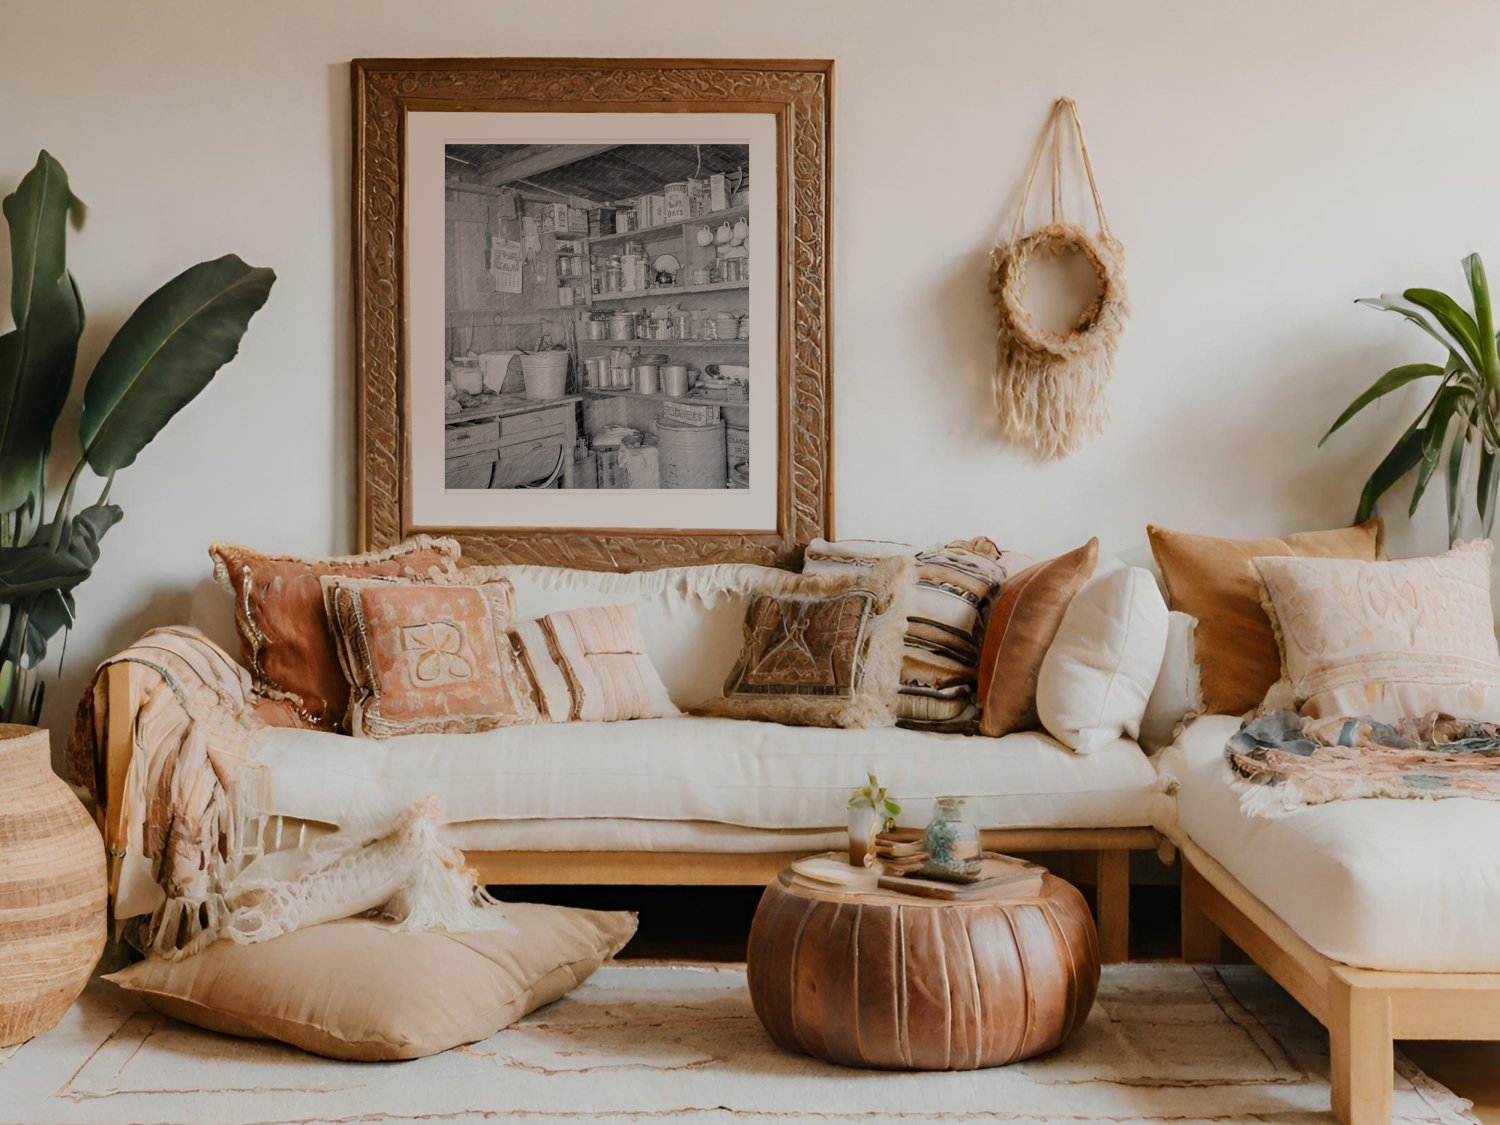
(691, 456)
(546, 374)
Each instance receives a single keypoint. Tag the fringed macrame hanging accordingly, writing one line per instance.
(1049, 386)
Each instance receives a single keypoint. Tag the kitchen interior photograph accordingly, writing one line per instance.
(596, 316)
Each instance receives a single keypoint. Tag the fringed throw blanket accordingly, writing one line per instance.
(1281, 761)
(191, 843)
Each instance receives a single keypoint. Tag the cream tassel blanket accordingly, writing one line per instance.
(1049, 386)
(189, 850)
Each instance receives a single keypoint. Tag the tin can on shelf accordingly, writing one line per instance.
(622, 326)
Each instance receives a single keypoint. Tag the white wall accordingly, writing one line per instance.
(1264, 164)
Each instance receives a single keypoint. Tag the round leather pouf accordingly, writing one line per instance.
(888, 980)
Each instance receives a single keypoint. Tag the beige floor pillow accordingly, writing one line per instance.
(356, 990)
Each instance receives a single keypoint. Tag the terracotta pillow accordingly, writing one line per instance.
(1026, 617)
(357, 990)
(590, 665)
(1214, 580)
(824, 649)
(284, 635)
(1388, 640)
(427, 657)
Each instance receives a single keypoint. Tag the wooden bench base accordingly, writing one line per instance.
(1364, 1010)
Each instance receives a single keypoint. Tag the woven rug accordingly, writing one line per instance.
(641, 1042)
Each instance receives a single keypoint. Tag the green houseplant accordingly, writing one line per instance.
(1457, 427)
(167, 351)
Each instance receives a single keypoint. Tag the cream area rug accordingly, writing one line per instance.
(644, 1042)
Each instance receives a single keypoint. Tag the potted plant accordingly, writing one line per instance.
(871, 811)
(162, 356)
(52, 871)
(1457, 427)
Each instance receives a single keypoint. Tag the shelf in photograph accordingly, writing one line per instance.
(646, 234)
(668, 291)
(661, 396)
(667, 345)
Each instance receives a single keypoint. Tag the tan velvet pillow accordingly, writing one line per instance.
(285, 640)
(1389, 640)
(823, 649)
(590, 665)
(1025, 618)
(357, 990)
(427, 657)
(1214, 580)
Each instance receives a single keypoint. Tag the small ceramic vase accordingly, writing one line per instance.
(951, 843)
(861, 832)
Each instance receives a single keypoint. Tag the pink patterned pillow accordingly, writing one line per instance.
(590, 665)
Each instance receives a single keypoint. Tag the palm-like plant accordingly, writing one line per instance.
(1458, 426)
(163, 355)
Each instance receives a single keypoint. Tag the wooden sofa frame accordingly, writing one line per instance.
(1364, 1010)
(1111, 846)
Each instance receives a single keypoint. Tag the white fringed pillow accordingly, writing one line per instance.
(1387, 640)
(1098, 673)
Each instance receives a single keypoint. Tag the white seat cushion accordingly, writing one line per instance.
(730, 771)
(1408, 885)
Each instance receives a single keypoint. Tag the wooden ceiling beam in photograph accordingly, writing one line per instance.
(533, 160)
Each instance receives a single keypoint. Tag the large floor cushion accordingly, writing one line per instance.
(729, 771)
(1379, 884)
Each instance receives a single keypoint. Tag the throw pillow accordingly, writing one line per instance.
(590, 665)
(284, 635)
(1388, 640)
(423, 657)
(1026, 617)
(956, 584)
(357, 990)
(1214, 580)
(823, 649)
(1177, 695)
(1099, 670)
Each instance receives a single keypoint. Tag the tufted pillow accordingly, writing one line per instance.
(423, 657)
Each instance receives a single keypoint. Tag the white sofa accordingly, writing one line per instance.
(694, 800)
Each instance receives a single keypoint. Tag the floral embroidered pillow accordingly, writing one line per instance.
(427, 657)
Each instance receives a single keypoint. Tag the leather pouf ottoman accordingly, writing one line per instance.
(889, 980)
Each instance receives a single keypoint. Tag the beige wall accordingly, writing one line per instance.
(1264, 164)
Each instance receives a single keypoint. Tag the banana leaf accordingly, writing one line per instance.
(1394, 379)
(37, 356)
(164, 354)
(35, 568)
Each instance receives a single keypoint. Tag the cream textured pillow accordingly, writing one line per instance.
(356, 990)
(1099, 671)
(1390, 640)
(590, 665)
(1177, 693)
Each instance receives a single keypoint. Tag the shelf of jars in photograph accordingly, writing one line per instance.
(665, 291)
(662, 396)
(671, 344)
(710, 219)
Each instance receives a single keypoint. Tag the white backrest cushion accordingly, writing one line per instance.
(1098, 674)
(691, 617)
(1177, 695)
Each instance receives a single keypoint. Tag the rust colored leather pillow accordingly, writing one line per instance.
(1023, 622)
(284, 635)
(1215, 581)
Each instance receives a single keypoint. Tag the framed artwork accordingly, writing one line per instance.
(592, 307)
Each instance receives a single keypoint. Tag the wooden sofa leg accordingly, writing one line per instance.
(1112, 886)
(1361, 1052)
(1202, 941)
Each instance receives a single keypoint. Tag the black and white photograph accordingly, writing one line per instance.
(597, 316)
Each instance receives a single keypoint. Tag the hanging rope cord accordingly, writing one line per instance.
(1049, 386)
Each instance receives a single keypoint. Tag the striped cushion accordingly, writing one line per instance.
(955, 585)
(590, 665)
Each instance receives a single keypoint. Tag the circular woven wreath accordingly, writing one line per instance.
(1096, 326)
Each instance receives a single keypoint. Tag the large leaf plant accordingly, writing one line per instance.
(164, 354)
(1457, 428)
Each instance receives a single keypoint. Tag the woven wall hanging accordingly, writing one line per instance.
(1049, 386)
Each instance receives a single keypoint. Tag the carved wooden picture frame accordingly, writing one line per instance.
(390, 99)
